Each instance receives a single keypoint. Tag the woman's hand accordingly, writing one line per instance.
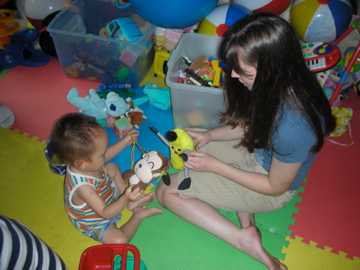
(200, 138)
(201, 162)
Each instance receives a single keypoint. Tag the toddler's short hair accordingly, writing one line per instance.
(73, 137)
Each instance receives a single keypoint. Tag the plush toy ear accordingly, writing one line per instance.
(128, 174)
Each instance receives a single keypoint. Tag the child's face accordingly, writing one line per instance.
(98, 158)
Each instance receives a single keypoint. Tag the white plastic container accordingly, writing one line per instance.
(194, 106)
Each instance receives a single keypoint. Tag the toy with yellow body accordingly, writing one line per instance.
(179, 141)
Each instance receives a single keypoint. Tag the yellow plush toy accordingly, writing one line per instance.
(179, 142)
(342, 118)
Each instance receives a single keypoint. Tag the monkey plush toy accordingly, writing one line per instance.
(151, 166)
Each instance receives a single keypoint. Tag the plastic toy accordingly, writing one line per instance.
(217, 66)
(123, 29)
(111, 86)
(221, 18)
(172, 14)
(274, 6)
(345, 72)
(45, 40)
(160, 63)
(7, 117)
(121, 127)
(55, 165)
(321, 21)
(16, 48)
(106, 257)
(36, 10)
(151, 166)
(93, 105)
(129, 56)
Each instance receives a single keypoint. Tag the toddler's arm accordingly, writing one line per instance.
(120, 145)
(89, 196)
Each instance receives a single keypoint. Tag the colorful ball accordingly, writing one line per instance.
(173, 14)
(36, 10)
(273, 6)
(222, 18)
(320, 20)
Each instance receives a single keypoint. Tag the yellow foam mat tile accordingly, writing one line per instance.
(301, 256)
(33, 195)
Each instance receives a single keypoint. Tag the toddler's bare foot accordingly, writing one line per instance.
(142, 213)
(148, 198)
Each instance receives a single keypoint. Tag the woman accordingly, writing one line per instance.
(277, 117)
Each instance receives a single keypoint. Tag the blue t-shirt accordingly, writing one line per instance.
(292, 140)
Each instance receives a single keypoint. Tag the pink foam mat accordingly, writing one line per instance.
(37, 96)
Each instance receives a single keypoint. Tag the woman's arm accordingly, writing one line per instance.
(225, 133)
(279, 179)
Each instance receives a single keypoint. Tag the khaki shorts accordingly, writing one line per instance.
(224, 194)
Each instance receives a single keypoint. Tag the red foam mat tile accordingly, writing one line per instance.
(328, 212)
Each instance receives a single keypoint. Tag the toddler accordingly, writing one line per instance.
(95, 191)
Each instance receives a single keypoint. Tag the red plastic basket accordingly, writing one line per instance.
(102, 257)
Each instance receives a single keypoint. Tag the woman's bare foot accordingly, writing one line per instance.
(251, 245)
(148, 198)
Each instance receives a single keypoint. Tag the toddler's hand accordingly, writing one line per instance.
(133, 195)
(130, 137)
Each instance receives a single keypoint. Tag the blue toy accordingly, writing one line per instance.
(93, 105)
(158, 97)
(16, 48)
(172, 14)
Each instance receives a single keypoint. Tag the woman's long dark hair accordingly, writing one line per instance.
(270, 44)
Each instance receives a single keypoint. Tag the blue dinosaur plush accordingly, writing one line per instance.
(93, 105)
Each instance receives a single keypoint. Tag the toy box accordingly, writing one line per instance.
(121, 127)
(192, 105)
(85, 51)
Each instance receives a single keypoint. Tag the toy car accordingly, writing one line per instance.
(123, 29)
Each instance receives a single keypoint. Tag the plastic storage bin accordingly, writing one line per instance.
(192, 105)
(85, 52)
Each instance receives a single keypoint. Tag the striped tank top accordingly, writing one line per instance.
(82, 216)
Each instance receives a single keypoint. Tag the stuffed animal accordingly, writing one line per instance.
(93, 105)
(151, 166)
(135, 116)
(158, 97)
(179, 142)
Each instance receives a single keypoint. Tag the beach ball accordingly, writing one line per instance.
(222, 18)
(173, 13)
(273, 6)
(320, 20)
(36, 10)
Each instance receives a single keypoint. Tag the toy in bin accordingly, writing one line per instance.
(110, 257)
(123, 29)
(121, 127)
